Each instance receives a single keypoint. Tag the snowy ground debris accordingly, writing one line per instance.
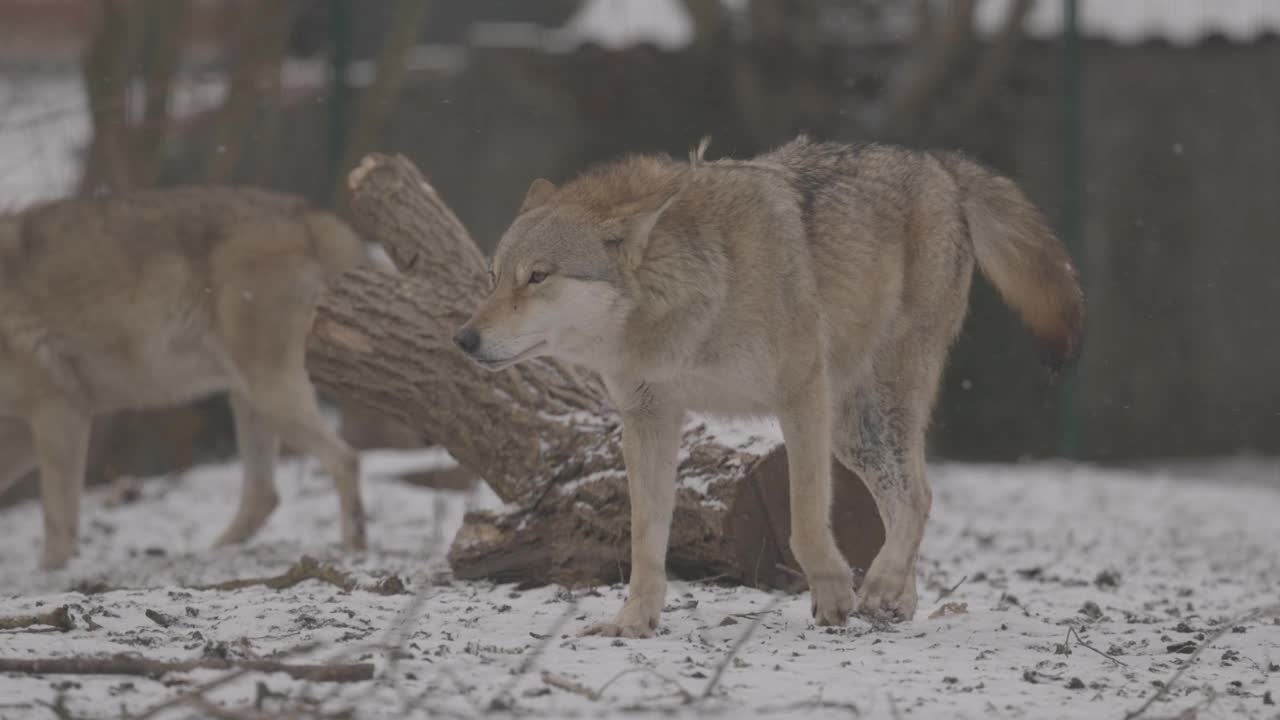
(1047, 591)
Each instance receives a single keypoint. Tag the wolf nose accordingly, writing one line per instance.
(467, 339)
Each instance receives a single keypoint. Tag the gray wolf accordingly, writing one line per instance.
(819, 283)
(156, 298)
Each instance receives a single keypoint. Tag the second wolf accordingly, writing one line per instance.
(155, 298)
(820, 283)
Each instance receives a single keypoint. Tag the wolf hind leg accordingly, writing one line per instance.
(259, 446)
(266, 356)
(882, 442)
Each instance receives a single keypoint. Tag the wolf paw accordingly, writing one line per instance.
(633, 621)
(888, 594)
(354, 535)
(250, 517)
(831, 599)
(619, 631)
(56, 555)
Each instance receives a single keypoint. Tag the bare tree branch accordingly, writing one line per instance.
(940, 46)
(994, 68)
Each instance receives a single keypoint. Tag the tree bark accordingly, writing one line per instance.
(378, 98)
(993, 70)
(256, 58)
(947, 54)
(541, 433)
(165, 24)
(106, 69)
(941, 45)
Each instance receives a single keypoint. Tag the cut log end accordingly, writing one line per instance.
(758, 524)
(744, 541)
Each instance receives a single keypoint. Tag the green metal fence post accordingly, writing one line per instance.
(339, 90)
(1071, 393)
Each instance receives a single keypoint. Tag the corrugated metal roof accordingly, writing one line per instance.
(1181, 22)
(665, 23)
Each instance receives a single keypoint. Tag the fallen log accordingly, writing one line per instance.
(541, 434)
(59, 618)
(145, 667)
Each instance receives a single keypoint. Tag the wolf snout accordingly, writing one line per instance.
(467, 339)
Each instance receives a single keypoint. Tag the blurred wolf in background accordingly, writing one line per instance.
(156, 298)
(820, 283)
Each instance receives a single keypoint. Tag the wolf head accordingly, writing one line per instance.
(562, 275)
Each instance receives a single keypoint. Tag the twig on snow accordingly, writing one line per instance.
(819, 704)
(308, 568)
(133, 665)
(397, 634)
(894, 712)
(192, 695)
(1268, 610)
(685, 695)
(59, 618)
(1079, 640)
(211, 709)
(945, 593)
(564, 683)
(532, 659)
(58, 707)
(743, 637)
(577, 688)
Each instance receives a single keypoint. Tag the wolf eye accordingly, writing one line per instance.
(536, 277)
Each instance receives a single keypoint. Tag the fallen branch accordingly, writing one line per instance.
(192, 695)
(577, 688)
(685, 696)
(213, 710)
(1270, 610)
(308, 568)
(564, 683)
(59, 618)
(58, 707)
(199, 692)
(145, 667)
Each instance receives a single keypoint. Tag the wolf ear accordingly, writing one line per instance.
(634, 223)
(540, 191)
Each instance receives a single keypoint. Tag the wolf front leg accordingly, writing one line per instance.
(806, 429)
(61, 438)
(17, 456)
(650, 445)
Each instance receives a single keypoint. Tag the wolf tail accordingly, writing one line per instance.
(1020, 255)
(336, 245)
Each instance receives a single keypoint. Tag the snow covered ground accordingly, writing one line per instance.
(1141, 566)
